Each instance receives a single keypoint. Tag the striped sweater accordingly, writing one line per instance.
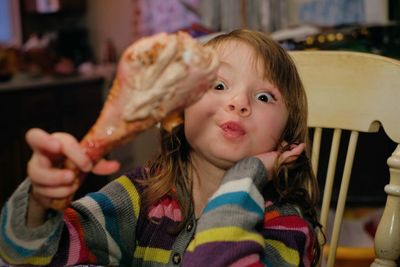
(238, 227)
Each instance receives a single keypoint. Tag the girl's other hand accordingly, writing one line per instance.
(49, 179)
(288, 156)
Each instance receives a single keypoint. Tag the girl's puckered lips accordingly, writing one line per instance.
(232, 129)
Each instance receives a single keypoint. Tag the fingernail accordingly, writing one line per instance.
(69, 176)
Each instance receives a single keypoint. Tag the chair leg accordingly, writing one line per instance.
(387, 237)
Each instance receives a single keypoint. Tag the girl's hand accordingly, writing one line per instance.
(49, 180)
(291, 154)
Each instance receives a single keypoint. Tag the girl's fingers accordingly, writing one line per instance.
(268, 159)
(55, 192)
(49, 176)
(292, 154)
(39, 160)
(40, 140)
(105, 167)
(285, 157)
(72, 150)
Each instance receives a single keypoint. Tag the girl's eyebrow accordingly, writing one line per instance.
(271, 88)
(226, 64)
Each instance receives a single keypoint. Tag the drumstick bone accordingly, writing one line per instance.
(156, 76)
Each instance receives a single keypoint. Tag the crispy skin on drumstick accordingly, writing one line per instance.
(156, 76)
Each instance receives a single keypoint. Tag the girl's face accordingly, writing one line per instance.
(242, 115)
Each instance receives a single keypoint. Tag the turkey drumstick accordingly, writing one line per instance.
(156, 76)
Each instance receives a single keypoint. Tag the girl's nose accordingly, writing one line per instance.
(239, 104)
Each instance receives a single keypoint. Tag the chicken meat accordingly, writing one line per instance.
(156, 77)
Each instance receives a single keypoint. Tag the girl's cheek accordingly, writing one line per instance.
(209, 98)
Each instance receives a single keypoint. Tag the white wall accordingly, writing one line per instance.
(108, 19)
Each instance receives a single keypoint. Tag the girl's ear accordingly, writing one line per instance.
(292, 153)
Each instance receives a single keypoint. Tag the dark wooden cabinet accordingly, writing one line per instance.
(68, 104)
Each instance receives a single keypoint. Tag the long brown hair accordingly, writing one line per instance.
(295, 183)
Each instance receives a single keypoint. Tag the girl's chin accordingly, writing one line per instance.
(226, 163)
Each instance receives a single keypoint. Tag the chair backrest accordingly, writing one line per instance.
(358, 92)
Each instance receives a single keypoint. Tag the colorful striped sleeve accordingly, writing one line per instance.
(18, 243)
(288, 236)
(97, 229)
(236, 229)
(227, 230)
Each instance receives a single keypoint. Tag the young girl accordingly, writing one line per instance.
(233, 185)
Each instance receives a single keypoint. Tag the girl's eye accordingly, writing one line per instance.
(219, 86)
(265, 97)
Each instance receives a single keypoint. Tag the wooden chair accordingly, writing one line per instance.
(358, 92)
